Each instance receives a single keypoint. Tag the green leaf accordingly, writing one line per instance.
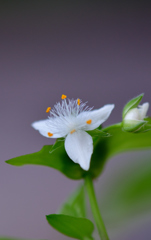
(129, 194)
(133, 103)
(75, 204)
(56, 159)
(79, 228)
(118, 142)
(75, 207)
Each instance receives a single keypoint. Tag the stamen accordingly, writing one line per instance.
(50, 134)
(89, 121)
(73, 131)
(78, 101)
(63, 96)
(48, 109)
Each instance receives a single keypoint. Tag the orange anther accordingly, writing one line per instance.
(89, 121)
(48, 109)
(63, 96)
(50, 134)
(73, 131)
(78, 101)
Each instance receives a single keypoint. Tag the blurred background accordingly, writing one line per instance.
(99, 51)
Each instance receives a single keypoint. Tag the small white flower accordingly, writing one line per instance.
(71, 119)
(137, 114)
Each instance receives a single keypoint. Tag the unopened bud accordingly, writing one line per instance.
(133, 116)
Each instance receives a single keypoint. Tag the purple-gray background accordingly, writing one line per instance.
(99, 51)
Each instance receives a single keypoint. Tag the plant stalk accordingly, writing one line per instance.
(95, 209)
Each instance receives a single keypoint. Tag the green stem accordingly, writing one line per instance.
(95, 209)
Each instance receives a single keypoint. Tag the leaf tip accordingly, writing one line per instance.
(10, 162)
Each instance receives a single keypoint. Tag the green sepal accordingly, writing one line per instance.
(75, 227)
(97, 133)
(133, 125)
(58, 143)
(147, 125)
(137, 126)
(133, 103)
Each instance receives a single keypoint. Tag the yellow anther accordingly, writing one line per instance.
(89, 121)
(73, 131)
(50, 134)
(78, 101)
(48, 109)
(63, 96)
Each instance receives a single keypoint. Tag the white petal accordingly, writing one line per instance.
(132, 114)
(96, 117)
(143, 110)
(137, 113)
(43, 127)
(79, 147)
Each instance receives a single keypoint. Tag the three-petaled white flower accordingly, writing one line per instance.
(71, 119)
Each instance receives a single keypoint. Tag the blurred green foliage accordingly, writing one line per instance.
(129, 195)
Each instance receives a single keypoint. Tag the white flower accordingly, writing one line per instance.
(137, 114)
(71, 119)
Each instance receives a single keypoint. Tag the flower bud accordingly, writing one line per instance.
(137, 113)
(133, 115)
